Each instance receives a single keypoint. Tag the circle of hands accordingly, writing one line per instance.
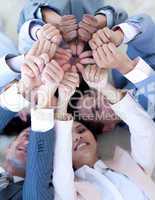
(58, 58)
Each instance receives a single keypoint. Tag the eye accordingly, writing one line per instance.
(81, 129)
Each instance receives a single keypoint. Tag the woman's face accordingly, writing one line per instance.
(94, 108)
(84, 146)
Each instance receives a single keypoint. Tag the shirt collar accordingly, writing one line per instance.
(16, 179)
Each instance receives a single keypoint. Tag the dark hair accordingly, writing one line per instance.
(16, 126)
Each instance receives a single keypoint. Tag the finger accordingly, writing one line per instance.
(52, 50)
(101, 53)
(80, 68)
(68, 17)
(103, 37)
(70, 28)
(66, 52)
(92, 73)
(86, 54)
(97, 40)
(45, 58)
(45, 47)
(92, 44)
(112, 48)
(87, 27)
(39, 62)
(80, 47)
(96, 58)
(65, 23)
(84, 35)
(27, 71)
(89, 19)
(66, 67)
(107, 52)
(70, 35)
(86, 73)
(50, 34)
(73, 47)
(86, 61)
(33, 67)
(47, 78)
(73, 69)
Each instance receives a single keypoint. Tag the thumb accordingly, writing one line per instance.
(73, 69)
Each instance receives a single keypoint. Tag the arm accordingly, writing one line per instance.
(142, 130)
(35, 10)
(63, 167)
(39, 168)
(10, 69)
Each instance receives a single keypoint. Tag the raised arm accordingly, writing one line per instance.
(63, 168)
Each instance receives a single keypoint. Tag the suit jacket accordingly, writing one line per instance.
(65, 7)
(143, 45)
(39, 170)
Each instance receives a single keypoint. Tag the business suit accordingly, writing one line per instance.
(38, 180)
(66, 7)
(142, 45)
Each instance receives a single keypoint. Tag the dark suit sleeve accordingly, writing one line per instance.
(39, 170)
(5, 117)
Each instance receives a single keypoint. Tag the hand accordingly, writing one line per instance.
(95, 77)
(32, 68)
(62, 57)
(67, 89)
(50, 33)
(105, 36)
(51, 77)
(50, 16)
(108, 57)
(87, 27)
(68, 27)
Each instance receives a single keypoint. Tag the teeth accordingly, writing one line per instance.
(81, 145)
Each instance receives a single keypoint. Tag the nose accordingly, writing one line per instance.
(77, 139)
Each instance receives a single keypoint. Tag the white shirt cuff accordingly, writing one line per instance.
(12, 100)
(15, 63)
(141, 72)
(130, 31)
(42, 120)
(6, 73)
(108, 15)
(34, 31)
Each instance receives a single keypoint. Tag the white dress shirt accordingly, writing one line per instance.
(112, 185)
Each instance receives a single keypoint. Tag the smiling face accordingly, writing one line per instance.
(84, 146)
(16, 154)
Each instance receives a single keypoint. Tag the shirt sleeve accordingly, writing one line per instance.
(15, 63)
(142, 129)
(140, 72)
(7, 73)
(109, 16)
(63, 170)
(130, 31)
(42, 120)
(12, 100)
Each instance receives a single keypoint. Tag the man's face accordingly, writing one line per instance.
(94, 108)
(84, 146)
(17, 151)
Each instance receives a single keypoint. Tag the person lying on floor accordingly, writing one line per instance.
(78, 172)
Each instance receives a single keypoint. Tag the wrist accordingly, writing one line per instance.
(112, 94)
(49, 16)
(62, 105)
(24, 90)
(101, 20)
(119, 37)
(45, 95)
(127, 67)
